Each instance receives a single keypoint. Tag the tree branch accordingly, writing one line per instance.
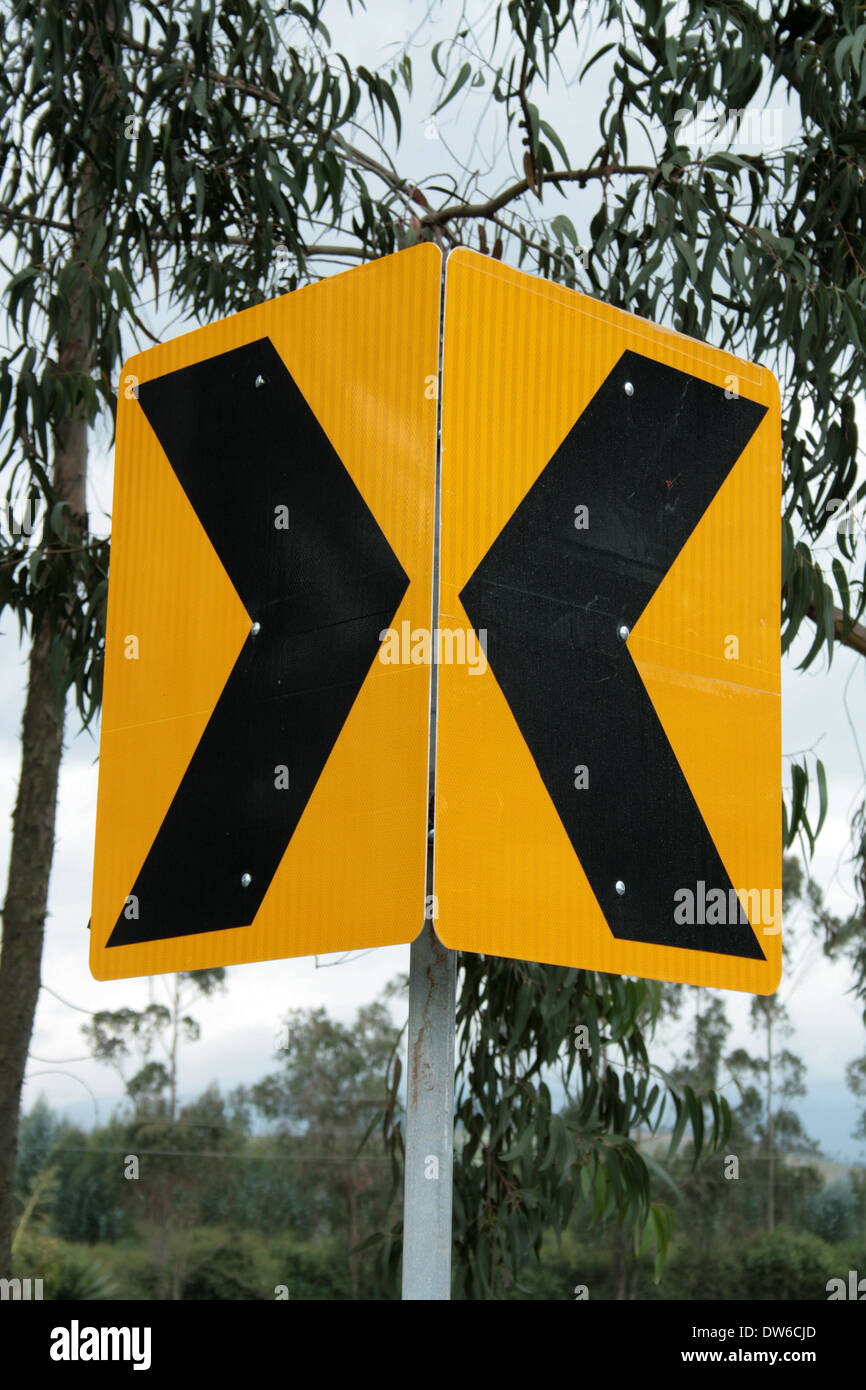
(856, 636)
(10, 214)
(272, 99)
(494, 205)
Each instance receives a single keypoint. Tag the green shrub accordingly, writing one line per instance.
(228, 1273)
(317, 1272)
(68, 1272)
(787, 1265)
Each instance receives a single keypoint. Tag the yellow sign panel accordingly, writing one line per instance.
(608, 787)
(263, 778)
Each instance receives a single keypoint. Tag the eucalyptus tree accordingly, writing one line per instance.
(198, 155)
(761, 251)
(180, 152)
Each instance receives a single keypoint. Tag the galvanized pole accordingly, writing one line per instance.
(428, 1178)
(429, 1119)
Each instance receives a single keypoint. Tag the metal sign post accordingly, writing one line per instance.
(429, 1119)
(428, 1177)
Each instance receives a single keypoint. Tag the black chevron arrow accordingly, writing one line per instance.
(244, 443)
(647, 456)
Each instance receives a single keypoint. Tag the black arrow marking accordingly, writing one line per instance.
(552, 598)
(243, 442)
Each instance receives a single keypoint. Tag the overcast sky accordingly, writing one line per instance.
(822, 710)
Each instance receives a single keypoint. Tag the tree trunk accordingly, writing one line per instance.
(620, 1270)
(172, 1114)
(42, 747)
(24, 911)
(771, 1137)
(354, 1234)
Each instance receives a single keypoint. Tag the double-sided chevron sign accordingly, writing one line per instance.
(605, 653)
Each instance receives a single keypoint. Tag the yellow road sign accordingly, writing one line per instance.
(263, 773)
(608, 751)
(608, 788)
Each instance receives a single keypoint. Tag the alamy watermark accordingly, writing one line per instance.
(716, 907)
(23, 520)
(77, 1343)
(848, 516)
(749, 129)
(21, 1289)
(854, 1289)
(417, 646)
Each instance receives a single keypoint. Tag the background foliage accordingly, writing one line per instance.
(163, 164)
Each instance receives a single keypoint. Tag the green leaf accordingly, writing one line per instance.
(822, 795)
(563, 227)
(662, 1224)
(462, 78)
(843, 48)
(521, 1149)
(659, 1170)
(679, 1126)
(390, 100)
(844, 593)
(555, 141)
(799, 790)
(198, 181)
(595, 58)
(687, 253)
